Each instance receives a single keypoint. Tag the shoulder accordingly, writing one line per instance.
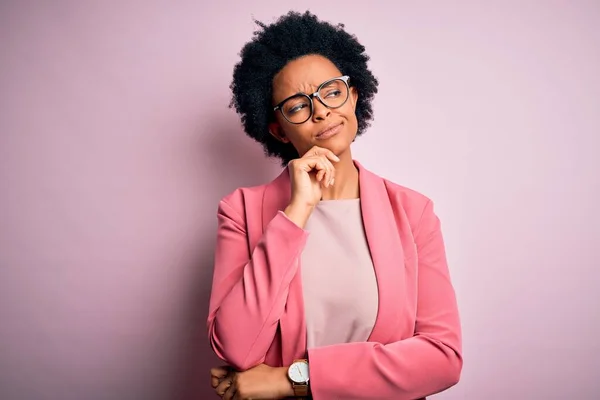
(242, 194)
(400, 196)
(254, 198)
(411, 205)
(409, 199)
(407, 204)
(239, 199)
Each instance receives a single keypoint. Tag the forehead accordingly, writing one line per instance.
(304, 74)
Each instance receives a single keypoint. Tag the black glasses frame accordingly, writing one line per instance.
(310, 97)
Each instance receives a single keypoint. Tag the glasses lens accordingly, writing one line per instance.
(297, 109)
(334, 94)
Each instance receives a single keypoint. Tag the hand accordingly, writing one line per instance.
(258, 383)
(311, 172)
(218, 375)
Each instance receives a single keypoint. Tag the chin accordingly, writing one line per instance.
(338, 144)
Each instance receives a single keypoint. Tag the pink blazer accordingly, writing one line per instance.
(256, 312)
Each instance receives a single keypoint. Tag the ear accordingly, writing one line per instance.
(277, 132)
(353, 96)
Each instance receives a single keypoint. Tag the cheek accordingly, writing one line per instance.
(350, 113)
(351, 120)
(299, 135)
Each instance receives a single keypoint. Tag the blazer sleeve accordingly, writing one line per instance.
(426, 363)
(250, 286)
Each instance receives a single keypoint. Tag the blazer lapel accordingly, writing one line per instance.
(386, 252)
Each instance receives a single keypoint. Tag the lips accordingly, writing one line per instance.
(329, 131)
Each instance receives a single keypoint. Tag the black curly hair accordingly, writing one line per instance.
(292, 36)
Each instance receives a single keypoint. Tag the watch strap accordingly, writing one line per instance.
(300, 390)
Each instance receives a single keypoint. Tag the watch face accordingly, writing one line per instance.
(298, 372)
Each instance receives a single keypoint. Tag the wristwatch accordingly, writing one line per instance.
(298, 375)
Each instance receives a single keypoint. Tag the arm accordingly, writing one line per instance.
(424, 364)
(250, 287)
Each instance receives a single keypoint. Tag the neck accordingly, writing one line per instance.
(346, 180)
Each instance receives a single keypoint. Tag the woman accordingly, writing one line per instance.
(329, 281)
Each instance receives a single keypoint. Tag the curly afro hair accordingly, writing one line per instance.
(292, 36)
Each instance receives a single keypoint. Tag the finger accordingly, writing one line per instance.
(328, 153)
(330, 171)
(331, 156)
(229, 393)
(320, 175)
(216, 381)
(223, 386)
(323, 171)
(219, 372)
(321, 151)
(327, 176)
(315, 151)
(217, 375)
(312, 163)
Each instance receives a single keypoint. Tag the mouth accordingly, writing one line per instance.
(329, 131)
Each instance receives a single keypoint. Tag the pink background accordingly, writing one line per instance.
(116, 144)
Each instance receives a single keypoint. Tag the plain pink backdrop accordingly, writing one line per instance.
(116, 144)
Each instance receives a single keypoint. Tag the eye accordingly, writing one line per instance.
(333, 93)
(296, 108)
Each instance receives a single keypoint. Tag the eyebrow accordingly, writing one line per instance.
(306, 94)
(318, 85)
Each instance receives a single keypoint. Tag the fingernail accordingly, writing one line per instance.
(332, 181)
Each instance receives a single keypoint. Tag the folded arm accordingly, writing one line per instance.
(424, 364)
(250, 288)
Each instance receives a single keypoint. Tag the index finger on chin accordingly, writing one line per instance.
(321, 151)
(317, 151)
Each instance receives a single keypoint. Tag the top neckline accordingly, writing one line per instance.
(337, 201)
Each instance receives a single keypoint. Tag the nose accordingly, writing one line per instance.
(320, 112)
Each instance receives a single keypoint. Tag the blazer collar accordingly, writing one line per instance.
(386, 252)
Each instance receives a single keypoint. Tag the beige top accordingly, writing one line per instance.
(339, 283)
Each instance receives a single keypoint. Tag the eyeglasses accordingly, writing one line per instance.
(299, 108)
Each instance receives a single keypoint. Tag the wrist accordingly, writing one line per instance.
(299, 212)
(286, 389)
